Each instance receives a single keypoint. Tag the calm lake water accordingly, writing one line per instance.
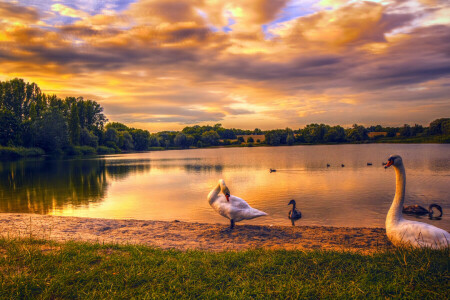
(173, 185)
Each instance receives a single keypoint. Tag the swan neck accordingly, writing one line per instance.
(395, 212)
(214, 193)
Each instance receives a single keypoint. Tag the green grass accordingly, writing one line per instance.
(43, 269)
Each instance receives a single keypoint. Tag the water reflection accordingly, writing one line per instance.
(41, 186)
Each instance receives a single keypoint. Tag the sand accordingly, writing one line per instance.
(186, 235)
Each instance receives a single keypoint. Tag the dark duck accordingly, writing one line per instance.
(418, 210)
(294, 214)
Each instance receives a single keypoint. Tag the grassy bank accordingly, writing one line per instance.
(43, 269)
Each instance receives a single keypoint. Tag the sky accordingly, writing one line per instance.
(167, 64)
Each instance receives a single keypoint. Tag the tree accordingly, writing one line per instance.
(87, 138)
(111, 135)
(74, 125)
(51, 133)
(9, 127)
(257, 131)
(290, 139)
(440, 126)
(240, 140)
(181, 140)
(405, 130)
(141, 139)
(250, 140)
(127, 142)
(211, 137)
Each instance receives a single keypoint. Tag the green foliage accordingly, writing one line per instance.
(141, 139)
(19, 152)
(87, 138)
(9, 128)
(440, 126)
(51, 131)
(48, 270)
(105, 150)
(86, 150)
(211, 138)
(111, 135)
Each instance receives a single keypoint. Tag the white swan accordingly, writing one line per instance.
(231, 207)
(405, 232)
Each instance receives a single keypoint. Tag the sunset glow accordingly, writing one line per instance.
(167, 64)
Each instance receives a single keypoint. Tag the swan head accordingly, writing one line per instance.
(395, 160)
(291, 202)
(225, 189)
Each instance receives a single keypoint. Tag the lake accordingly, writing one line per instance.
(173, 185)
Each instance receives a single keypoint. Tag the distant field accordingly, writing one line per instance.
(50, 270)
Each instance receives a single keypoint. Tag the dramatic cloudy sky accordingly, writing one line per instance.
(164, 64)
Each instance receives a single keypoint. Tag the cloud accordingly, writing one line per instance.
(13, 12)
(170, 61)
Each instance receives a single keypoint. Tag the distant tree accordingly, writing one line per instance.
(250, 140)
(290, 139)
(127, 141)
(240, 140)
(335, 134)
(211, 137)
(141, 139)
(440, 126)
(405, 131)
(111, 135)
(257, 131)
(273, 137)
(117, 126)
(181, 140)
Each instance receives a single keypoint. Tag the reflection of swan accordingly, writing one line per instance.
(420, 211)
(231, 207)
(294, 214)
(405, 232)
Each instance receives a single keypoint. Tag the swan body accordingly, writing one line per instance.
(294, 214)
(231, 207)
(402, 232)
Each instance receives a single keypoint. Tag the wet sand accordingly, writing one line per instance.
(186, 235)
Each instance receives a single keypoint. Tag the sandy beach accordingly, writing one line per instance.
(186, 235)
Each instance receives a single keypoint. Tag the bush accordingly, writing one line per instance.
(18, 152)
(105, 150)
(86, 150)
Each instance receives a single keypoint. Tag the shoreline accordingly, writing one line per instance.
(17, 156)
(191, 235)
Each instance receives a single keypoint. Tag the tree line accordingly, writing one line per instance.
(74, 125)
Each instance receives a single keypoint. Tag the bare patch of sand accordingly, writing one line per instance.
(185, 235)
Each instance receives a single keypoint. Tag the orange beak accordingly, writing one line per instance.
(228, 197)
(389, 163)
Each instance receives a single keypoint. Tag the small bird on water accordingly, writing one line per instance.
(294, 214)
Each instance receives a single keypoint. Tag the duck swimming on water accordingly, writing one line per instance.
(294, 214)
(421, 211)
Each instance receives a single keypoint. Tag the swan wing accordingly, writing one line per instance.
(419, 234)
